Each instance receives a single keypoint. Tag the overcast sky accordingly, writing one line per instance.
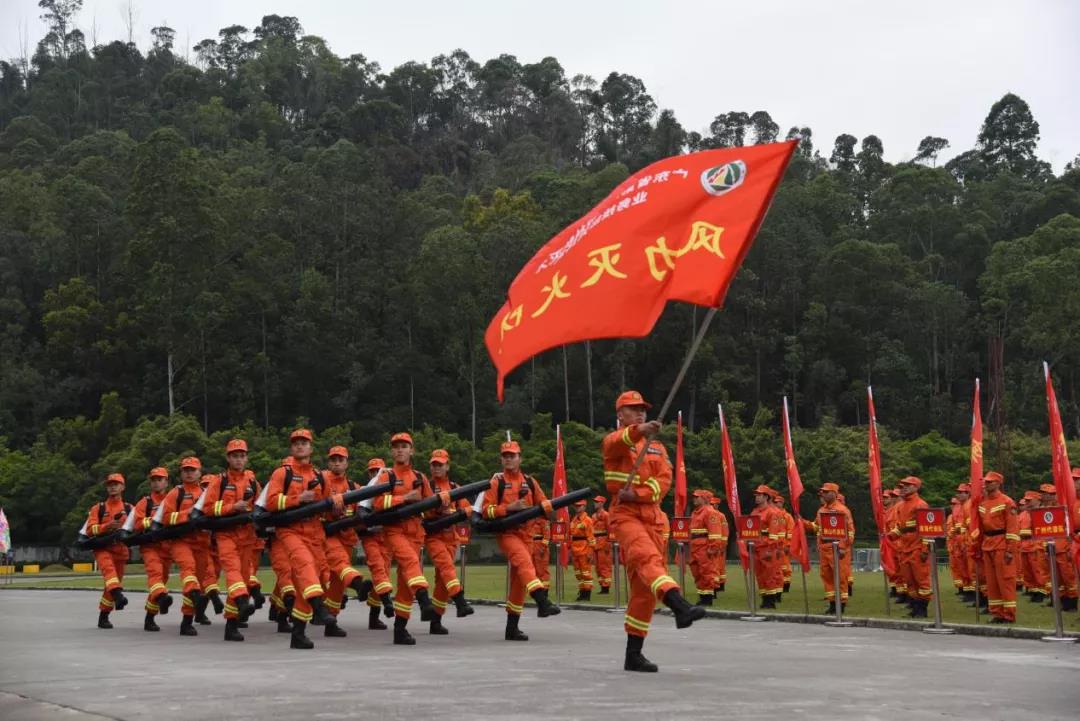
(900, 70)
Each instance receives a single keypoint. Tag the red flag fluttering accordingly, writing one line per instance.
(975, 472)
(680, 470)
(558, 488)
(1066, 491)
(731, 486)
(888, 561)
(799, 549)
(676, 230)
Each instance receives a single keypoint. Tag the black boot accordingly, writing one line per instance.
(704, 599)
(164, 602)
(244, 609)
(850, 590)
(720, 588)
(768, 601)
(402, 637)
(892, 592)
(119, 598)
(232, 632)
(374, 623)
(436, 628)
(320, 614)
(1069, 604)
(387, 605)
(187, 628)
(427, 611)
(200, 609)
(513, 633)
(298, 639)
(284, 622)
(215, 599)
(685, 614)
(831, 610)
(581, 595)
(588, 594)
(258, 600)
(778, 597)
(148, 623)
(918, 609)
(103, 620)
(635, 659)
(463, 607)
(787, 586)
(544, 606)
(273, 614)
(363, 588)
(604, 591)
(333, 630)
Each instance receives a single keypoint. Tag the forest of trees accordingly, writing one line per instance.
(269, 233)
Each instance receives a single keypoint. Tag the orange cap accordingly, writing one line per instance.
(954, 501)
(190, 462)
(300, 433)
(374, 463)
(401, 438)
(579, 504)
(715, 500)
(830, 487)
(702, 493)
(509, 447)
(964, 488)
(1048, 488)
(889, 492)
(116, 478)
(994, 476)
(1032, 496)
(159, 472)
(631, 398)
(600, 499)
(910, 481)
(763, 489)
(439, 455)
(338, 451)
(236, 444)
(1076, 472)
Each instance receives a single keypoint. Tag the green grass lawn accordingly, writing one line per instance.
(489, 581)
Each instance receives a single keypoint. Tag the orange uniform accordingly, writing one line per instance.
(789, 528)
(708, 542)
(582, 546)
(339, 550)
(303, 540)
(111, 560)
(541, 549)
(1000, 533)
(957, 566)
(191, 553)
(602, 551)
(516, 543)
(1034, 568)
(768, 553)
(825, 551)
(156, 559)
(720, 559)
(638, 527)
(912, 554)
(405, 539)
(441, 548)
(234, 545)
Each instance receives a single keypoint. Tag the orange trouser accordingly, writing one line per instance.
(234, 554)
(828, 572)
(404, 541)
(1065, 569)
(256, 557)
(192, 559)
(279, 562)
(915, 573)
(1036, 570)
(957, 567)
(303, 542)
(603, 563)
(517, 547)
(156, 561)
(1000, 583)
(785, 567)
(638, 529)
(111, 562)
(341, 571)
(583, 569)
(541, 557)
(441, 552)
(975, 573)
(769, 570)
(701, 566)
(719, 569)
(378, 563)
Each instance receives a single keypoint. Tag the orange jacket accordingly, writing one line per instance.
(445, 485)
(708, 529)
(336, 485)
(406, 480)
(1023, 524)
(176, 507)
(849, 524)
(653, 478)
(283, 491)
(541, 531)
(506, 488)
(600, 527)
(773, 528)
(903, 529)
(581, 534)
(103, 513)
(224, 490)
(1000, 523)
(144, 510)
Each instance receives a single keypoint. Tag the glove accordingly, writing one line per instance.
(339, 504)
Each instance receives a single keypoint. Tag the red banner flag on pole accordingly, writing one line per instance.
(558, 488)
(975, 472)
(731, 486)
(888, 560)
(680, 470)
(799, 550)
(1063, 482)
(676, 230)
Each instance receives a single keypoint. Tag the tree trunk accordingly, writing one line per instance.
(588, 379)
(472, 399)
(169, 378)
(412, 383)
(266, 374)
(205, 396)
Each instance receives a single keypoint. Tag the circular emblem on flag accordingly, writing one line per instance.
(1048, 517)
(929, 516)
(749, 523)
(724, 178)
(832, 522)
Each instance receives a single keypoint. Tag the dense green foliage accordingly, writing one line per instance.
(275, 233)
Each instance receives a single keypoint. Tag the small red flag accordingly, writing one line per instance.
(888, 561)
(676, 230)
(1063, 482)
(680, 470)
(558, 488)
(799, 548)
(731, 486)
(975, 472)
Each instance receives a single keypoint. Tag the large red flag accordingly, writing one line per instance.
(799, 549)
(888, 561)
(680, 471)
(558, 488)
(731, 486)
(1066, 491)
(975, 472)
(676, 230)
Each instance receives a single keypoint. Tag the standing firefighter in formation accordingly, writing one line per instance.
(1000, 544)
(830, 503)
(708, 541)
(604, 561)
(768, 549)
(582, 546)
(912, 554)
(638, 476)
(720, 559)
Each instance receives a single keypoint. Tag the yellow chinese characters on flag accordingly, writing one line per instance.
(676, 230)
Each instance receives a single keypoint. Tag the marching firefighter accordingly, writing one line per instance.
(108, 516)
(156, 559)
(378, 561)
(339, 547)
(190, 552)
(442, 546)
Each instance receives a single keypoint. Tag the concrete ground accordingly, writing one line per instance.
(54, 663)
